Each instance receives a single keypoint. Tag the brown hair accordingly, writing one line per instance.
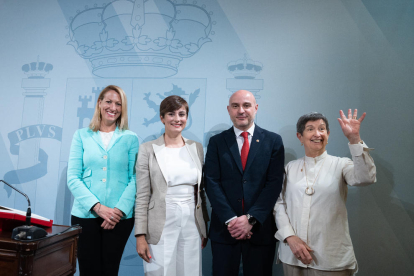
(122, 121)
(172, 103)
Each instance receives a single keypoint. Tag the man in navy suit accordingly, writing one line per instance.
(244, 174)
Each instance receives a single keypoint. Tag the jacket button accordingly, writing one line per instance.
(105, 157)
(104, 168)
(198, 206)
(244, 180)
(104, 180)
(239, 200)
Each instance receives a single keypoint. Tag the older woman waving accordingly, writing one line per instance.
(311, 213)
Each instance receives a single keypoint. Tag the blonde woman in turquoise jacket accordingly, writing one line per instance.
(101, 178)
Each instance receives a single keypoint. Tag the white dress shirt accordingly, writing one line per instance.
(240, 142)
(321, 219)
(239, 137)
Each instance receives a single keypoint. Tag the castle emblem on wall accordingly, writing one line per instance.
(139, 39)
(85, 113)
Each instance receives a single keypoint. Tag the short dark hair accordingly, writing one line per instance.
(172, 103)
(313, 116)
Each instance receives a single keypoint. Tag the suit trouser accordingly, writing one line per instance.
(292, 270)
(100, 251)
(178, 253)
(257, 259)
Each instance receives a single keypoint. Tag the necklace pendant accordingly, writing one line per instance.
(309, 191)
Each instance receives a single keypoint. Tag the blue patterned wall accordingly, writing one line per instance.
(295, 56)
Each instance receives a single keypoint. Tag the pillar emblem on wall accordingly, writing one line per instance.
(245, 71)
(25, 141)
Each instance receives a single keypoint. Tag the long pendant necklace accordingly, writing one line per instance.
(310, 190)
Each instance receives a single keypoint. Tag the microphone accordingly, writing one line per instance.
(26, 232)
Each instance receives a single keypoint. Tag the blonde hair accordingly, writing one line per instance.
(122, 121)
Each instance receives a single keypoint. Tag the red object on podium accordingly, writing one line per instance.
(11, 218)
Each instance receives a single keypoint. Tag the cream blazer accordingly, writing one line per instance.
(152, 187)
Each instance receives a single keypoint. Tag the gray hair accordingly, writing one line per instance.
(313, 116)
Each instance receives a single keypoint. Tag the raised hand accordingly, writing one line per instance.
(300, 249)
(351, 125)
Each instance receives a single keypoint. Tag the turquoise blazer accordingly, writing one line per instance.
(98, 175)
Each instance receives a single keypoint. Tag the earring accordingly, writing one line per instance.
(301, 144)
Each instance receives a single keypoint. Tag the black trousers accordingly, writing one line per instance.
(100, 251)
(257, 259)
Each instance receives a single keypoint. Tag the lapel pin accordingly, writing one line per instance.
(257, 140)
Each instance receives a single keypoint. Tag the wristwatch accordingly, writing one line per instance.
(251, 219)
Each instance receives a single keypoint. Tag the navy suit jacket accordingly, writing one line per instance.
(259, 184)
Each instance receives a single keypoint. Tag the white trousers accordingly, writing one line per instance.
(293, 270)
(178, 253)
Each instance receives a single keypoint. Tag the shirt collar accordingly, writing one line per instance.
(317, 158)
(238, 132)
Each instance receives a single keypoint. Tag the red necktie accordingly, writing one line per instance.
(245, 149)
(244, 154)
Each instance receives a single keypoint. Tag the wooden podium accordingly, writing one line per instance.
(54, 255)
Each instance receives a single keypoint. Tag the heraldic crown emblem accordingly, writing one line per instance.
(245, 68)
(141, 38)
(37, 69)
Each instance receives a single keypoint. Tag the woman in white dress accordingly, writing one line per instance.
(310, 213)
(170, 213)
